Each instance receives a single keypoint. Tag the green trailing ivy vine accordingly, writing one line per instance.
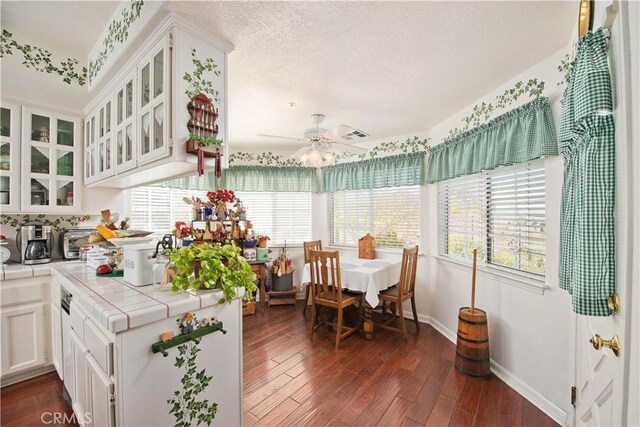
(197, 84)
(564, 67)
(410, 146)
(262, 159)
(482, 112)
(185, 407)
(118, 32)
(57, 223)
(39, 59)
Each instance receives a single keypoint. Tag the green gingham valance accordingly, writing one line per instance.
(523, 134)
(391, 171)
(270, 178)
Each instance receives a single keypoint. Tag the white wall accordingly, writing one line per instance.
(529, 323)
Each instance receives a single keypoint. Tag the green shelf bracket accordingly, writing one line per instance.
(196, 335)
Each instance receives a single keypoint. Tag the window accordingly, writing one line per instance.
(500, 212)
(158, 208)
(284, 217)
(391, 215)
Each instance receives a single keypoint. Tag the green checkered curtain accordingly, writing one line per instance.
(524, 133)
(587, 144)
(390, 171)
(270, 178)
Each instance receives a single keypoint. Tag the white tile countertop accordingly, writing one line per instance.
(111, 302)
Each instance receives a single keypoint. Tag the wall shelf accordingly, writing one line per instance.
(163, 346)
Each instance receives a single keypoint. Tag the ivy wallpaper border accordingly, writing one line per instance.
(57, 223)
(410, 146)
(40, 60)
(118, 32)
(482, 113)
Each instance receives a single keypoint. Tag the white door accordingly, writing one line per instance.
(56, 339)
(22, 338)
(100, 403)
(601, 377)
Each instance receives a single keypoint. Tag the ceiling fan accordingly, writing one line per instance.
(322, 142)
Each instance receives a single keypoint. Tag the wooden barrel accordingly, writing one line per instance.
(472, 349)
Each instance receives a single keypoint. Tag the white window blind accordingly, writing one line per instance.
(499, 212)
(157, 209)
(280, 215)
(391, 215)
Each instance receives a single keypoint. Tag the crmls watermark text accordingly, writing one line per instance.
(63, 418)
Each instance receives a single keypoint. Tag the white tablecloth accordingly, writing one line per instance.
(369, 276)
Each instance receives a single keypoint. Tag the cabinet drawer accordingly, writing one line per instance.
(20, 291)
(99, 346)
(76, 320)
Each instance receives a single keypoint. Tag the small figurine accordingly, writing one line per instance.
(210, 321)
(186, 326)
(166, 336)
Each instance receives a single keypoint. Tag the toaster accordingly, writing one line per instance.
(68, 246)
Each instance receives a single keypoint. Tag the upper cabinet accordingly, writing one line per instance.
(152, 103)
(136, 128)
(124, 128)
(51, 163)
(9, 157)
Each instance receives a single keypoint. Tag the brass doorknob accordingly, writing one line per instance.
(613, 343)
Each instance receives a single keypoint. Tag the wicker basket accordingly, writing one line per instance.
(248, 308)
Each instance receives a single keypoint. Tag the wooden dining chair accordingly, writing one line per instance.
(402, 291)
(326, 291)
(314, 244)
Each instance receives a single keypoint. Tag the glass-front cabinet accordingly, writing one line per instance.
(153, 136)
(125, 155)
(9, 157)
(51, 147)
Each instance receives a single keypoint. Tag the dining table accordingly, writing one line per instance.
(366, 276)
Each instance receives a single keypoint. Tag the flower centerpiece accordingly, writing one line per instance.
(219, 199)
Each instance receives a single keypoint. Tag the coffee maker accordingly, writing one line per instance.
(35, 243)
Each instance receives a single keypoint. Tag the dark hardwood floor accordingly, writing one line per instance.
(292, 381)
(35, 402)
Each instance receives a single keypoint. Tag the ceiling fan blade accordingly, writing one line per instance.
(337, 132)
(279, 137)
(346, 147)
(298, 153)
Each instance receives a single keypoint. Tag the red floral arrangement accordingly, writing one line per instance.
(201, 97)
(221, 196)
(182, 229)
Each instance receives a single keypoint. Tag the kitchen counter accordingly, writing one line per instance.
(118, 306)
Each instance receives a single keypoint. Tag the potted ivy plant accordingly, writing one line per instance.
(207, 266)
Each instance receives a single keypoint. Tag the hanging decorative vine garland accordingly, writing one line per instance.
(263, 159)
(40, 60)
(118, 32)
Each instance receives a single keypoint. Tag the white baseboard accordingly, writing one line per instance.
(16, 378)
(538, 400)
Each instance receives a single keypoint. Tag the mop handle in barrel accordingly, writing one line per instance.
(473, 281)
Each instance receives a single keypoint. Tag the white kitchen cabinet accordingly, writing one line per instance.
(100, 398)
(90, 172)
(51, 164)
(23, 338)
(79, 377)
(153, 110)
(151, 142)
(56, 338)
(9, 157)
(104, 150)
(125, 125)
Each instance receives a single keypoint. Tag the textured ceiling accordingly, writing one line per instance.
(387, 68)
